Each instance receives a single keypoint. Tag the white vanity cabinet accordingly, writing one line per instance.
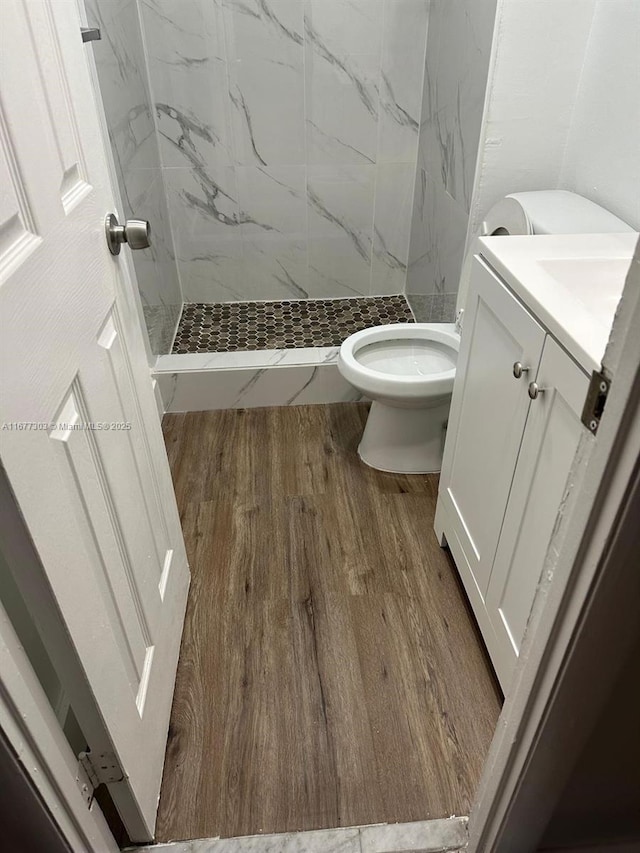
(507, 458)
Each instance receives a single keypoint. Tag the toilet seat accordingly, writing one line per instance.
(418, 361)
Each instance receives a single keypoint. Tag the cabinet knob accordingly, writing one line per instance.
(535, 390)
(519, 370)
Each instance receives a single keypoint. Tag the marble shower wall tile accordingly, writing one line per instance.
(120, 61)
(340, 210)
(288, 130)
(403, 62)
(392, 226)
(439, 231)
(456, 70)
(128, 105)
(264, 40)
(458, 51)
(207, 233)
(343, 43)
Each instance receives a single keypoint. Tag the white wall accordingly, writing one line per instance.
(602, 156)
(562, 108)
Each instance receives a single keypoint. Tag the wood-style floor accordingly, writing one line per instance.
(331, 673)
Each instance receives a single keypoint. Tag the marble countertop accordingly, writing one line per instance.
(571, 283)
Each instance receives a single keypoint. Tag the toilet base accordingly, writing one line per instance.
(403, 440)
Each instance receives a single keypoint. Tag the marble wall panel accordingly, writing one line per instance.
(456, 70)
(247, 388)
(124, 88)
(392, 227)
(340, 220)
(288, 130)
(265, 56)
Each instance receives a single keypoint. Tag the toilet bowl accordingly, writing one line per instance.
(408, 370)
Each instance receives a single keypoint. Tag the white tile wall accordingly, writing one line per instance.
(457, 62)
(289, 133)
(120, 61)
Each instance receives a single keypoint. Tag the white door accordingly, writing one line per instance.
(548, 449)
(98, 503)
(488, 414)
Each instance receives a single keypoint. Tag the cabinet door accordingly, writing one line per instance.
(548, 448)
(488, 414)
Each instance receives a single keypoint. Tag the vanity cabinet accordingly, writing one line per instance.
(513, 431)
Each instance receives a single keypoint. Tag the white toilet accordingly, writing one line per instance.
(408, 369)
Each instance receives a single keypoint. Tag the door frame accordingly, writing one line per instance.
(31, 581)
(26, 716)
(36, 737)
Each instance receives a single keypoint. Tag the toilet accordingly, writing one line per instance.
(408, 369)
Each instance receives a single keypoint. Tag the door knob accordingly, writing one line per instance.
(518, 370)
(535, 390)
(135, 232)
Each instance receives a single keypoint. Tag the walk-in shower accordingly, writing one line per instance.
(277, 147)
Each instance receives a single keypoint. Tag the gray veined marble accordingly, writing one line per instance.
(290, 384)
(358, 240)
(323, 841)
(267, 11)
(429, 836)
(402, 64)
(436, 836)
(392, 227)
(457, 60)
(342, 68)
(340, 222)
(120, 62)
(391, 106)
(364, 89)
(265, 61)
(238, 101)
(292, 92)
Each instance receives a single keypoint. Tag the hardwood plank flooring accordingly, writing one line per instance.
(331, 673)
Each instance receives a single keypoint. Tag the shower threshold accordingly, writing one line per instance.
(252, 354)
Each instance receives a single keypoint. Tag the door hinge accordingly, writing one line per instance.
(93, 770)
(90, 34)
(595, 401)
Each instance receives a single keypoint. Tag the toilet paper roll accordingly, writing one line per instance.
(507, 217)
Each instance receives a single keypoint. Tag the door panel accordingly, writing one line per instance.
(98, 502)
(488, 412)
(548, 448)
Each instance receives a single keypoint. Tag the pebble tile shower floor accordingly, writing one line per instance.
(242, 326)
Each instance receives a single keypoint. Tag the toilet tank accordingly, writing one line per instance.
(539, 212)
(562, 212)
